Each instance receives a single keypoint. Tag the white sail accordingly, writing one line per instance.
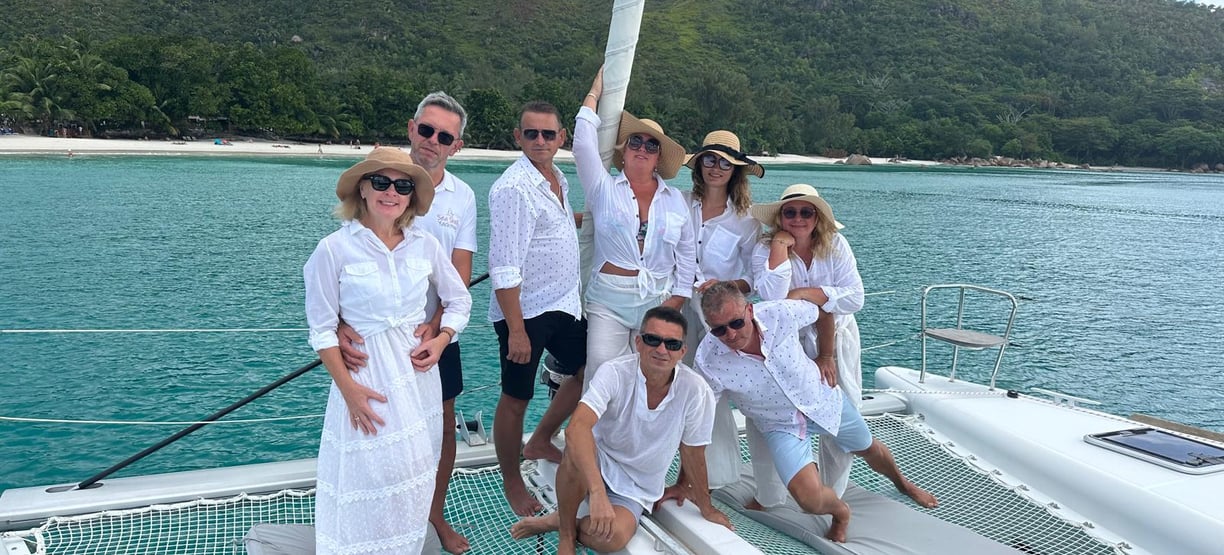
(618, 64)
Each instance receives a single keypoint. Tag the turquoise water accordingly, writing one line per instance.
(1117, 272)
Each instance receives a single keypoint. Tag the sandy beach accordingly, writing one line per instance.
(31, 144)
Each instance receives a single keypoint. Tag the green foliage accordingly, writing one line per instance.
(1138, 82)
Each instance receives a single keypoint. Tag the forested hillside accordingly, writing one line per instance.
(1134, 82)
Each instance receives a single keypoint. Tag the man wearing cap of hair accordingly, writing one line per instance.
(753, 356)
(644, 251)
(639, 409)
(536, 304)
(383, 427)
(436, 133)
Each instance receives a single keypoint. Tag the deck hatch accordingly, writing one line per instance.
(1172, 451)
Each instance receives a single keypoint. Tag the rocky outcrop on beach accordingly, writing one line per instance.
(858, 160)
(1006, 162)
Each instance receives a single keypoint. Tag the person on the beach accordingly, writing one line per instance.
(805, 249)
(644, 250)
(638, 410)
(725, 235)
(383, 426)
(436, 132)
(536, 304)
(753, 355)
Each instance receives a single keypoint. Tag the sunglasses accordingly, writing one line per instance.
(426, 131)
(708, 161)
(651, 340)
(381, 182)
(636, 142)
(735, 324)
(533, 134)
(805, 213)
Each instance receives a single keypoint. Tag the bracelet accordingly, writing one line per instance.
(593, 95)
(450, 334)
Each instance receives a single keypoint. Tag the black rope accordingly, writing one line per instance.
(216, 416)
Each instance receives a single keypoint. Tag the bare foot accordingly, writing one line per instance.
(543, 449)
(452, 541)
(841, 523)
(754, 505)
(535, 525)
(920, 496)
(521, 500)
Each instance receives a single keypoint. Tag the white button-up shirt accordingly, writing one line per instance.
(352, 274)
(635, 444)
(669, 251)
(724, 244)
(783, 390)
(533, 244)
(452, 221)
(837, 275)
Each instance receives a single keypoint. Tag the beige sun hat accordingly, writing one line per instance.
(671, 154)
(725, 144)
(383, 158)
(767, 213)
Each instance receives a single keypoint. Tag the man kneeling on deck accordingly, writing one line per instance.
(622, 438)
(753, 354)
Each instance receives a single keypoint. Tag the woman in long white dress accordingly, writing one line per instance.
(382, 431)
(806, 249)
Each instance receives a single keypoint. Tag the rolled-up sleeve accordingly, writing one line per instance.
(510, 222)
(454, 296)
(846, 292)
(591, 172)
(322, 279)
(771, 285)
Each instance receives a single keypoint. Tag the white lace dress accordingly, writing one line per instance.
(374, 491)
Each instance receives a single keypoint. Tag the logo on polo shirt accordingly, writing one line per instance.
(450, 219)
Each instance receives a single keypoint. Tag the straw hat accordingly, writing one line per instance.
(383, 158)
(767, 213)
(727, 145)
(671, 154)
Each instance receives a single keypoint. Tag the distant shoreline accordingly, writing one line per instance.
(30, 144)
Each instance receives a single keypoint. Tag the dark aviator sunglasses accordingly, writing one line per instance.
(709, 160)
(381, 182)
(804, 213)
(426, 131)
(533, 134)
(735, 324)
(651, 340)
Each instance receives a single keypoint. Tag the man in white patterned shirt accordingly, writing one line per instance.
(753, 354)
(536, 304)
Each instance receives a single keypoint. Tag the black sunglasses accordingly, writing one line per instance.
(426, 131)
(532, 134)
(402, 186)
(805, 213)
(651, 340)
(735, 324)
(636, 142)
(709, 160)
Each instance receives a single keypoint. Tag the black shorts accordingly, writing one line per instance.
(450, 369)
(559, 333)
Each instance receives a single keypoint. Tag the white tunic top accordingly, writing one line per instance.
(782, 391)
(724, 243)
(533, 244)
(669, 252)
(635, 444)
(452, 221)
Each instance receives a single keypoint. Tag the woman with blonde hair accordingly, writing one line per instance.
(382, 430)
(804, 248)
(643, 252)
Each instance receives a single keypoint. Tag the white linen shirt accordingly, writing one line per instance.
(452, 221)
(724, 243)
(533, 244)
(669, 252)
(783, 391)
(837, 275)
(635, 444)
(353, 275)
